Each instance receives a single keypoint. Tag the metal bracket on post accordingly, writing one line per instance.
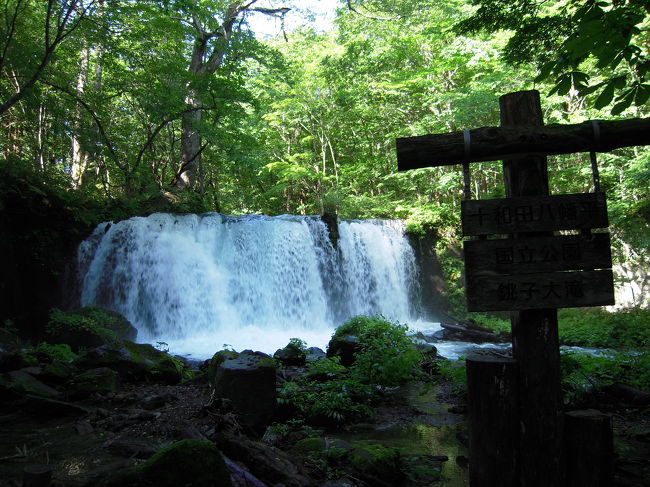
(594, 163)
(466, 182)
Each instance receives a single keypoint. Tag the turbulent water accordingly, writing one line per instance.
(198, 282)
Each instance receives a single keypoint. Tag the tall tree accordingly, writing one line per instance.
(213, 25)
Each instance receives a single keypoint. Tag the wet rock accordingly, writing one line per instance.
(247, 380)
(314, 354)
(271, 465)
(174, 465)
(290, 355)
(345, 347)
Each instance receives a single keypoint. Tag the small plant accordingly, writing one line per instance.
(298, 344)
(328, 367)
(162, 346)
(456, 373)
(46, 352)
(9, 326)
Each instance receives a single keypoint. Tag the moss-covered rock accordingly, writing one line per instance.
(22, 382)
(92, 381)
(422, 469)
(136, 361)
(311, 445)
(372, 460)
(217, 359)
(193, 463)
(88, 328)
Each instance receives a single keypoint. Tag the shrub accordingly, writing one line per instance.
(584, 374)
(334, 394)
(387, 355)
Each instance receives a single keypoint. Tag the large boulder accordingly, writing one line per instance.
(187, 462)
(246, 379)
(314, 354)
(88, 328)
(135, 361)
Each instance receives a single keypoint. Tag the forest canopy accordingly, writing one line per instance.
(134, 99)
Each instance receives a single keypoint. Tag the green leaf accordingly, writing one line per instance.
(642, 94)
(619, 107)
(605, 97)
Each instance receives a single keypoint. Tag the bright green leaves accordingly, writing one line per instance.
(599, 48)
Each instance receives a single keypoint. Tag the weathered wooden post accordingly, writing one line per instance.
(532, 272)
(535, 337)
(492, 383)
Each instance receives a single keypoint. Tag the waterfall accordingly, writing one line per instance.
(198, 282)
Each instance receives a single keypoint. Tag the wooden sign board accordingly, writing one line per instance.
(534, 214)
(537, 254)
(537, 291)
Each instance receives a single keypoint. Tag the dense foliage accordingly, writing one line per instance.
(332, 393)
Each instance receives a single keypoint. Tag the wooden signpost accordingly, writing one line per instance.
(529, 271)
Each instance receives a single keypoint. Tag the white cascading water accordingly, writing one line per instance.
(198, 282)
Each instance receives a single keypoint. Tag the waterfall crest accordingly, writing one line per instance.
(198, 282)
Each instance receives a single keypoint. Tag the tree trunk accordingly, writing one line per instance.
(190, 147)
(79, 154)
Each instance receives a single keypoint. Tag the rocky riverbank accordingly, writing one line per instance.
(101, 410)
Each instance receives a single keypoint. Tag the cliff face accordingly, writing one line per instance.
(432, 283)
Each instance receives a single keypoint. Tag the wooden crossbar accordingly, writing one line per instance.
(511, 142)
